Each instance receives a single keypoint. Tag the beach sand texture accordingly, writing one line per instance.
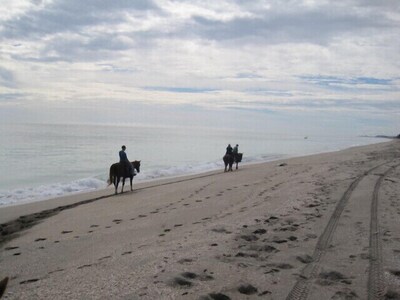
(324, 226)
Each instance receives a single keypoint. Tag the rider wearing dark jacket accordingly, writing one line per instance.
(236, 149)
(123, 159)
(229, 149)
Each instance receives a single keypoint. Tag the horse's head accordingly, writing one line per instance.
(136, 165)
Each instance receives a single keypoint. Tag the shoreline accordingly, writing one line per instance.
(172, 177)
(101, 193)
(18, 217)
(252, 229)
(46, 191)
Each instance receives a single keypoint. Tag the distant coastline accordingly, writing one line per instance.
(388, 137)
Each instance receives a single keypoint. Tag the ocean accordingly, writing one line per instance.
(42, 161)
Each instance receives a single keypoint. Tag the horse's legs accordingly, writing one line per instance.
(131, 182)
(123, 183)
(237, 166)
(116, 182)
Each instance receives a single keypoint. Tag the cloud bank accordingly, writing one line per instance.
(266, 56)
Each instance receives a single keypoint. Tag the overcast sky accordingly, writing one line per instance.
(112, 60)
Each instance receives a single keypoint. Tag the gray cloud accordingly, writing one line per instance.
(72, 15)
(7, 78)
(304, 27)
(284, 22)
(347, 50)
(11, 97)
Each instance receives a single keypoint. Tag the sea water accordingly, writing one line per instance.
(39, 161)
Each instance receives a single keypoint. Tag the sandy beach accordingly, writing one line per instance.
(324, 226)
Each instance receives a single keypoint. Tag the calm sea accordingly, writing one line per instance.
(39, 161)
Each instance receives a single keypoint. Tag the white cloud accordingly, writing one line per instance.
(212, 54)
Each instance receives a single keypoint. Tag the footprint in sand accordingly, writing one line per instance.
(40, 239)
(333, 277)
(395, 272)
(185, 261)
(178, 281)
(29, 281)
(66, 231)
(84, 266)
(55, 271)
(221, 230)
(105, 257)
(305, 259)
(347, 295)
(10, 248)
(215, 296)
(260, 231)
(249, 238)
(282, 266)
(391, 295)
(247, 289)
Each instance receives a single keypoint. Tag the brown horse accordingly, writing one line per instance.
(228, 161)
(118, 171)
(237, 158)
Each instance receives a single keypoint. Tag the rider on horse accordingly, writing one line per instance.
(229, 149)
(123, 159)
(235, 151)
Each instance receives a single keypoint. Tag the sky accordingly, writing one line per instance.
(284, 64)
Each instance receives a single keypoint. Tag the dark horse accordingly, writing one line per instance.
(118, 171)
(237, 158)
(230, 159)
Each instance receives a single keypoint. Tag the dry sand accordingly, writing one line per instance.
(318, 227)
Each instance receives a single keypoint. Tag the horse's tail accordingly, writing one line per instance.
(111, 177)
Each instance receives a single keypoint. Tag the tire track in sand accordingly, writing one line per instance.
(376, 281)
(302, 287)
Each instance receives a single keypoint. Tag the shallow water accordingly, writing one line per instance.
(41, 161)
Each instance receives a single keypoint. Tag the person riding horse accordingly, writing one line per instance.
(235, 151)
(229, 150)
(123, 159)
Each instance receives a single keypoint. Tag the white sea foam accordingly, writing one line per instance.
(48, 161)
(19, 196)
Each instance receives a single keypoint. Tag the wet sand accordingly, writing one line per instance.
(316, 227)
